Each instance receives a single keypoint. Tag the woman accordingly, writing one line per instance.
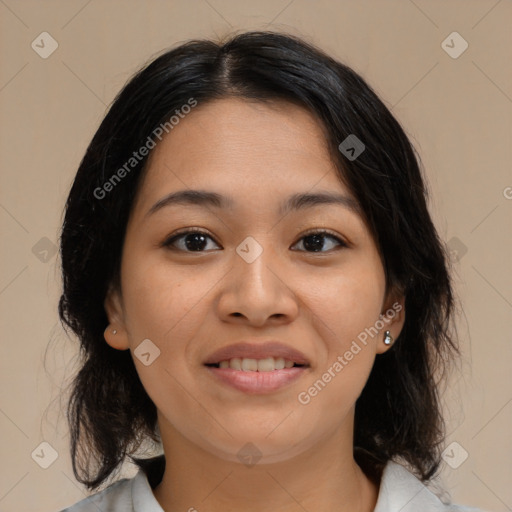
(256, 283)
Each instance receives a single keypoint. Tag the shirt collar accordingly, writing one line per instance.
(399, 490)
(143, 498)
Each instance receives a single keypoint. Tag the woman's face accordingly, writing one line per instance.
(258, 274)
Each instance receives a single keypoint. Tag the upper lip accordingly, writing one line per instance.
(260, 350)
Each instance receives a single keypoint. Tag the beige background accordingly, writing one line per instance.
(458, 112)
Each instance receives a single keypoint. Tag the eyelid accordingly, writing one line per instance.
(324, 231)
(168, 240)
(313, 231)
(341, 242)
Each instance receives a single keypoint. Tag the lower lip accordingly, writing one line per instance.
(257, 382)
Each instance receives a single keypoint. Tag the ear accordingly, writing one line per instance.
(393, 318)
(114, 308)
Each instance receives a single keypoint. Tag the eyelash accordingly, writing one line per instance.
(180, 234)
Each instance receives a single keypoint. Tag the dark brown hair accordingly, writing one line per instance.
(398, 413)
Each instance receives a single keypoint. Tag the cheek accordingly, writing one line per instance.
(345, 309)
(165, 306)
(160, 300)
(347, 303)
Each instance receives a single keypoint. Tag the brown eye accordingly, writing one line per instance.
(189, 241)
(315, 241)
(197, 241)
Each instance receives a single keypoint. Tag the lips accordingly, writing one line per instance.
(262, 350)
(257, 368)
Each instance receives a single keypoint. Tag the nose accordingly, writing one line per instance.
(258, 292)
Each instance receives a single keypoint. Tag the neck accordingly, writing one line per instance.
(325, 477)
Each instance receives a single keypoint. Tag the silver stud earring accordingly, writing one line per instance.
(388, 339)
(114, 332)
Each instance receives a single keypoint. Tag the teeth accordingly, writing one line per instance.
(250, 365)
(261, 365)
(266, 365)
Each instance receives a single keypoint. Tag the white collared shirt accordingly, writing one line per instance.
(400, 491)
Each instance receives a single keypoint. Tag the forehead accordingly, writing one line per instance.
(252, 151)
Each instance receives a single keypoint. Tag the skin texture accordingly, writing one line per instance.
(190, 304)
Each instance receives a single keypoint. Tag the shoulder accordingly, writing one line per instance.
(116, 497)
(133, 494)
(401, 490)
(126, 494)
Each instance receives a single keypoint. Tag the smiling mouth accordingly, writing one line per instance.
(267, 364)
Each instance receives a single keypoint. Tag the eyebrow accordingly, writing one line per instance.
(295, 202)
